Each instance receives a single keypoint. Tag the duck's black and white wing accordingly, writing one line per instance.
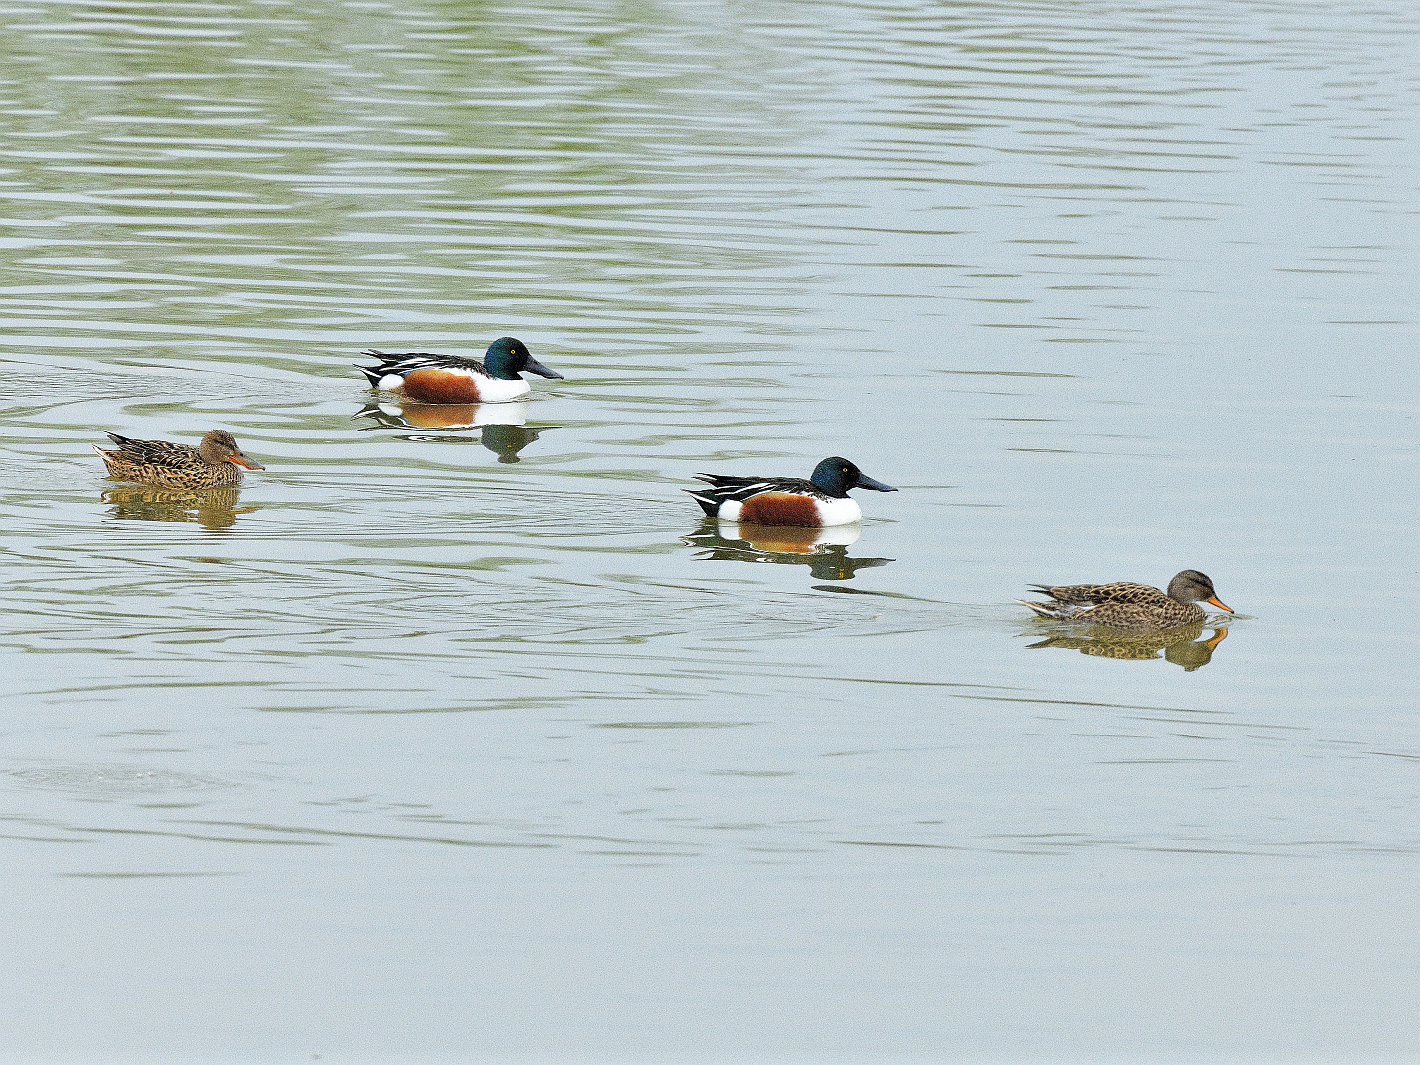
(397, 364)
(741, 488)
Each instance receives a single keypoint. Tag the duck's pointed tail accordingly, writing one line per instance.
(708, 503)
(374, 373)
(1057, 611)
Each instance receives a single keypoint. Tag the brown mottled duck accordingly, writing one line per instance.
(1128, 606)
(212, 464)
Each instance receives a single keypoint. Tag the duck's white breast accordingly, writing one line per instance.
(839, 511)
(493, 390)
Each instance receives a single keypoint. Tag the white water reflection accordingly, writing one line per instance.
(824, 551)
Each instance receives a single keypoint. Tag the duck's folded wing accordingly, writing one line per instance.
(1070, 593)
(1118, 591)
(408, 361)
(744, 487)
(156, 452)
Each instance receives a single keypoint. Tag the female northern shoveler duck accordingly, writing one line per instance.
(1125, 605)
(212, 464)
(821, 500)
(433, 378)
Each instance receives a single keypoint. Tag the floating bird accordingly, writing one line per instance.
(212, 464)
(431, 378)
(1128, 606)
(821, 500)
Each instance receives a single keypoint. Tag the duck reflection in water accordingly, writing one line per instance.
(215, 508)
(504, 425)
(1182, 645)
(823, 550)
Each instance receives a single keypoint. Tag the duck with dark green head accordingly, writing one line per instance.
(431, 378)
(819, 501)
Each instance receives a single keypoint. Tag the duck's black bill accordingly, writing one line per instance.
(538, 368)
(864, 481)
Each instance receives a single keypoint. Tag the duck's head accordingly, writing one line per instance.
(220, 446)
(507, 357)
(835, 476)
(1190, 586)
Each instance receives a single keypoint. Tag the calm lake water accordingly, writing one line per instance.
(474, 742)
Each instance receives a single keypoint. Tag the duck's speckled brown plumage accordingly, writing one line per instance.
(212, 464)
(1128, 606)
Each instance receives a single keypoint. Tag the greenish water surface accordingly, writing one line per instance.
(463, 737)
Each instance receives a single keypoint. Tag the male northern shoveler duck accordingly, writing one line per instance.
(821, 500)
(433, 378)
(212, 464)
(1128, 606)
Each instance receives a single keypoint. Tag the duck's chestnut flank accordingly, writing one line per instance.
(780, 508)
(440, 386)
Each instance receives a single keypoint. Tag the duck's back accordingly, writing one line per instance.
(1115, 592)
(727, 487)
(407, 361)
(156, 453)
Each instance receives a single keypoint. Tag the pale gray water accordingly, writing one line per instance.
(410, 751)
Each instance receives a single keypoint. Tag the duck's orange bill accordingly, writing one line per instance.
(247, 464)
(1221, 605)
